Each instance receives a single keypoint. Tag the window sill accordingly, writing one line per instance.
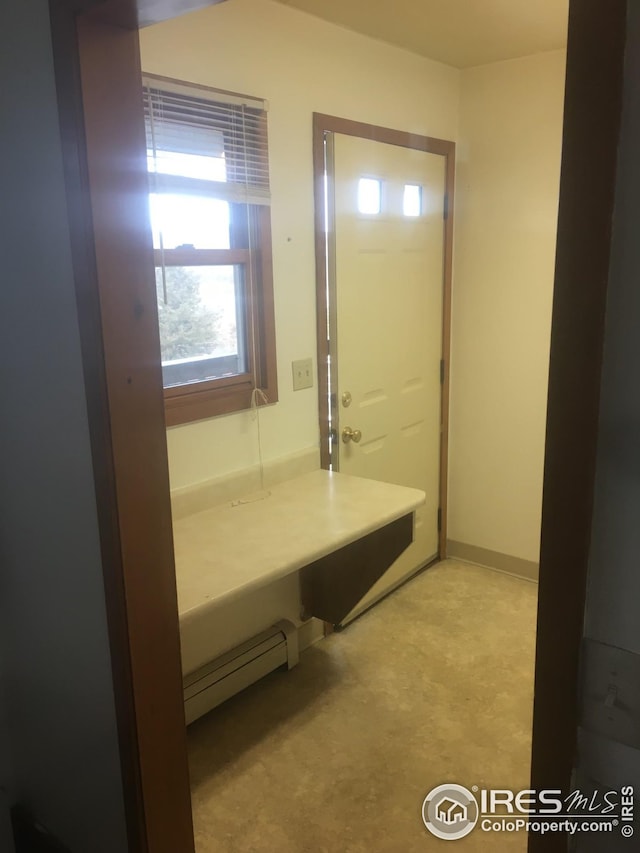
(199, 405)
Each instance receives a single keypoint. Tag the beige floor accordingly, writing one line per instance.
(433, 685)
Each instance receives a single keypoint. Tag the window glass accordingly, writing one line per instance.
(369, 195)
(200, 311)
(191, 220)
(412, 200)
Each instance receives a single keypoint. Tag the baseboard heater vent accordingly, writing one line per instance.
(225, 676)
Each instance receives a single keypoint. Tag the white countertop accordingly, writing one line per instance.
(229, 549)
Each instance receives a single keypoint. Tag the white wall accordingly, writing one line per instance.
(506, 213)
(57, 682)
(300, 65)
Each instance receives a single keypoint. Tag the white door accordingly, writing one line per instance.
(389, 264)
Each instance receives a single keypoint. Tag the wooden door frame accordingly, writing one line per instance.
(323, 124)
(592, 116)
(98, 80)
(143, 628)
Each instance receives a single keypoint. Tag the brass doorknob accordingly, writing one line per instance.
(349, 434)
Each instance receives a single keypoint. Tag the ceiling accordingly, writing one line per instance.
(462, 33)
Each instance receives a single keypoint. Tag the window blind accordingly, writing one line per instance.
(206, 142)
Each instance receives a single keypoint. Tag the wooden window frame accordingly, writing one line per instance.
(251, 249)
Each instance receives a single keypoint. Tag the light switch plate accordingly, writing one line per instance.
(302, 373)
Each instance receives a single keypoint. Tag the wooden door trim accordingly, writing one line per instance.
(100, 105)
(333, 124)
(593, 107)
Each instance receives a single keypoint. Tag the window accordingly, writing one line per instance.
(369, 195)
(209, 203)
(412, 200)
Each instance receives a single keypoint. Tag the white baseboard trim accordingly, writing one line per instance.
(516, 566)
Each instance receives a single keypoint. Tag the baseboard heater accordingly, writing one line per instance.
(230, 673)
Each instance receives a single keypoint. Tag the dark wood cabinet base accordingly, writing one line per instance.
(333, 585)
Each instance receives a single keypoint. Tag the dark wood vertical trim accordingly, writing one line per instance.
(323, 124)
(129, 426)
(264, 315)
(63, 28)
(593, 104)
(446, 346)
(321, 297)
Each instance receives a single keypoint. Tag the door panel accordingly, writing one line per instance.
(389, 292)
